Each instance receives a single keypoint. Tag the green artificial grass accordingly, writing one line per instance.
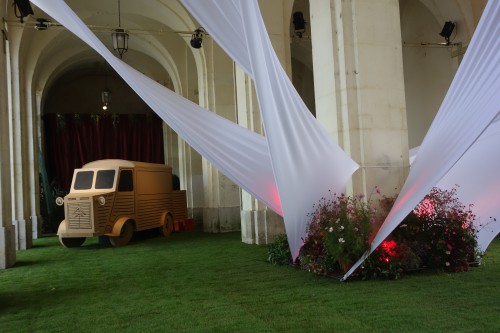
(196, 282)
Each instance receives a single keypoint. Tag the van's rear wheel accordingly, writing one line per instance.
(125, 235)
(71, 241)
(167, 224)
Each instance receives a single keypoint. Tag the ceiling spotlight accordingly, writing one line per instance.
(42, 24)
(24, 8)
(197, 38)
(447, 30)
(299, 24)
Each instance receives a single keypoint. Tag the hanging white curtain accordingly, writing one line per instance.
(478, 175)
(470, 106)
(307, 163)
(297, 154)
(481, 190)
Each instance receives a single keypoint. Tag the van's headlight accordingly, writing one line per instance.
(59, 201)
(101, 200)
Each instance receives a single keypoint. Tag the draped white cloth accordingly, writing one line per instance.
(293, 166)
(470, 106)
(476, 175)
(306, 162)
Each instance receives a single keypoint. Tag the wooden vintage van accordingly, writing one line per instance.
(114, 198)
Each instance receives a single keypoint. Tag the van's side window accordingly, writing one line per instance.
(126, 183)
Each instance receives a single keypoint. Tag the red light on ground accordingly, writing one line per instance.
(389, 247)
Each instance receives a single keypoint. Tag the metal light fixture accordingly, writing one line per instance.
(24, 8)
(106, 98)
(42, 24)
(447, 30)
(197, 38)
(299, 24)
(120, 37)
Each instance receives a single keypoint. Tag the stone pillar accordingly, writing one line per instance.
(259, 225)
(359, 87)
(221, 212)
(32, 187)
(7, 229)
(23, 226)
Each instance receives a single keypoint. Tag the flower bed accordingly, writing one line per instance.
(438, 234)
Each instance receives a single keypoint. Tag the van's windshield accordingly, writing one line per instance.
(104, 179)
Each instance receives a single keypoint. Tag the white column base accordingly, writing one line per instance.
(260, 226)
(24, 238)
(36, 227)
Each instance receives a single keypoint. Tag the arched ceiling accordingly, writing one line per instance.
(158, 45)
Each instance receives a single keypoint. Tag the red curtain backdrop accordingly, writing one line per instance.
(71, 140)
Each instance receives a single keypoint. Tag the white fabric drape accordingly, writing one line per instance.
(470, 106)
(477, 176)
(306, 162)
(297, 156)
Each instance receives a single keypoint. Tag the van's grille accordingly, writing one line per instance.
(79, 215)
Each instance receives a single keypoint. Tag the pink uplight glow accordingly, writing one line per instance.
(426, 208)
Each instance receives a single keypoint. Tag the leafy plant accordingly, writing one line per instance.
(339, 231)
(441, 231)
(438, 234)
(390, 260)
(279, 251)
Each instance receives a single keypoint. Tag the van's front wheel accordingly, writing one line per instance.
(71, 241)
(126, 233)
(167, 224)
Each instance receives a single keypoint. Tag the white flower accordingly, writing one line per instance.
(331, 229)
(338, 220)
(341, 240)
(341, 227)
(448, 252)
(447, 264)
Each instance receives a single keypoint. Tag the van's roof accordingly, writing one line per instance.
(115, 163)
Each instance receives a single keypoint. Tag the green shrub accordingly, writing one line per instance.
(279, 251)
(441, 231)
(438, 234)
(337, 234)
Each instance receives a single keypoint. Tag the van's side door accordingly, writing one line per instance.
(124, 204)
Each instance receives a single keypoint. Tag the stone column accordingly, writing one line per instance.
(7, 229)
(23, 226)
(359, 87)
(32, 187)
(259, 225)
(221, 212)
